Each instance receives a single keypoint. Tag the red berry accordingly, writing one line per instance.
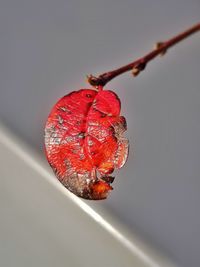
(83, 137)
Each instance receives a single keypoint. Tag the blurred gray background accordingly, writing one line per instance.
(47, 48)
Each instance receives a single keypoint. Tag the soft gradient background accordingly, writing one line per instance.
(47, 48)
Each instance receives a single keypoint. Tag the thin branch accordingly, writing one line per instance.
(140, 64)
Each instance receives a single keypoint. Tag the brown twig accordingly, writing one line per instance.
(140, 64)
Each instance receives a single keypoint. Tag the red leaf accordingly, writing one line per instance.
(83, 136)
